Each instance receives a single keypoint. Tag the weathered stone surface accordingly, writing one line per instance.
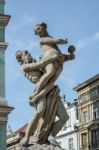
(4, 108)
(44, 147)
(40, 147)
(46, 97)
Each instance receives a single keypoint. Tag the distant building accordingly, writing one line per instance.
(88, 110)
(13, 139)
(81, 131)
(68, 136)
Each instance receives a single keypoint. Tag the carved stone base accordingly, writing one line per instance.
(4, 111)
(45, 147)
(41, 147)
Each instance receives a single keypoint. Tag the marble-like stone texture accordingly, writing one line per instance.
(40, 147)
(46, 96)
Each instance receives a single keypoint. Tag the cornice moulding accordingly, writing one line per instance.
(4, 19)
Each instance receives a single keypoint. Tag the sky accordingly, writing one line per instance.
(76, 20)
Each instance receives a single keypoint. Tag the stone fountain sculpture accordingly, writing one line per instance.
(46, 96)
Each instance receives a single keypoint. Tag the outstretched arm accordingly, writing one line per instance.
(69, 57)
(38, 65)
(50, 40)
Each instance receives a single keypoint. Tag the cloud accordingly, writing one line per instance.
(87, 41)
(28, 19)
(69, 81)
(24, 21)
(16, 43)
(21, 43)
(32, 44)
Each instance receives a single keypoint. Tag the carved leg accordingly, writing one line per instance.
(63, 117)
(48, 86)
(57, 73)
(34, 121)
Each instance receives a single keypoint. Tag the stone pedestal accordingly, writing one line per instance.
(4, 108)
(4, 111)
(40, 147)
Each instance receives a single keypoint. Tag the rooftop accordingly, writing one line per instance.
(87, 82)
(4, 19)
(22, 129)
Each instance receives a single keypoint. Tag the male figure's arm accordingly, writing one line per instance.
(39, 64)
(50, 40)
(69, 57)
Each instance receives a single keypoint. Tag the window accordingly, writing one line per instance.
(93, 92)
(84, 139)
(95, 113)
(70, 144)
(83, 97)
(85, 117)
(95, 137)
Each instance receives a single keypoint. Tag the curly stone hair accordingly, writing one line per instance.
(19, 57)
(41, 24)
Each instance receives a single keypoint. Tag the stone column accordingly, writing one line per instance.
(4, 108)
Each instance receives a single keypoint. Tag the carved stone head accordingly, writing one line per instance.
(24, 57)
(40, 29)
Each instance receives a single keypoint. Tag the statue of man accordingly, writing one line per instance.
(44, 73)
(52, 58)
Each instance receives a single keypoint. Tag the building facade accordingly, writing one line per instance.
(4, 108)
(81, 131)
(88, 110)
(14, 139)
(68, 136)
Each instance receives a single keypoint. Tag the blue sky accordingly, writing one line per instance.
(77, 20)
